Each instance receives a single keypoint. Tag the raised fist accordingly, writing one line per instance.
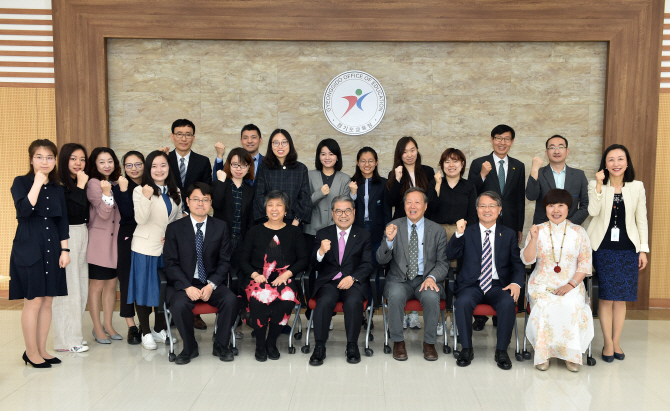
(534, 232)
(486, 169)
(220, 149)
(460, 226)
(123, 183)
(221, 175)
(398, 173)
(147, 191)
(40, 178)
(353, 187)
(391, 231)
(106, 187)
(537, 163)
(438, 178)
(600, 177)
(325, 247)
(325, 189)
(82, 179)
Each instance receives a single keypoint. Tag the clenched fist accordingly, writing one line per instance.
(438, 178)
(165, 149)
(537, 163)
(325, 189)
(325, 247)
(534, 232)
(123, 183)
(82, 179)
(106, 187)
(600, 177)
(40, 178)
(486, 169)
(460, 226)
(353, 187)
(221, 175)
(147, 191)
(391, 231)
(398, 173)
(220, 149)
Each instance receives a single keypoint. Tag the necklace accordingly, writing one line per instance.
(557, 269)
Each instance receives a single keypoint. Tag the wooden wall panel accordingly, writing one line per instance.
(632, 28)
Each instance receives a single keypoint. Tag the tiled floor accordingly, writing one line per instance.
(123, 377)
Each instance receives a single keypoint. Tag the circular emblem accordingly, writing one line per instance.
(354, 102)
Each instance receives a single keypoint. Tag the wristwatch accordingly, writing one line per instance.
(212, 284)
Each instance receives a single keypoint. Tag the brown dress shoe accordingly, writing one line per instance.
(199, 323)
(399, 351)
(429, 353)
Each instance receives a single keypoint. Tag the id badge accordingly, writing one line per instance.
(615, 234)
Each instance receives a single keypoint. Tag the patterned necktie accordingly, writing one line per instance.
(182, 170)
(199, 244)
(413, 254)
(342, 244)
(486, 277)
(501, 176)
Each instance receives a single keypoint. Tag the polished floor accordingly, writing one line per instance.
(124, 377)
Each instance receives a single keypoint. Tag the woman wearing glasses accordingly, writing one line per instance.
(157, 203)
(281, 171)
(133, 164)
(40, 250)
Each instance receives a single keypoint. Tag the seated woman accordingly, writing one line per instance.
(560, 323)
(271, 254)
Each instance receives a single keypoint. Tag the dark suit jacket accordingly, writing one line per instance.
(219, 166)
(394, 196)
(180, 258)
(199, 170)
(224, 205)
(513, 199)
(506, 251)
(379, 211)
(575, 183)
(356, 261)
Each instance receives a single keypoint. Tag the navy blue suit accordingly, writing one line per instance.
(510, 269)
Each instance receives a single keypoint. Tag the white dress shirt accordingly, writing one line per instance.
(319, 257)
(496, 165)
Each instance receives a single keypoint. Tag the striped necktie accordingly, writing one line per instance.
(486, 277)
(199, 246)
(182, 170)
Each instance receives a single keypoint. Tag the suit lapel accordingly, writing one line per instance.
(569, 177)
(351, 242)
(210, 232)
(335, 242)
(477, 240)
(190, 169)
(549, 175)
(498, 244)
(511, 170)
(174, 168)
(494, 171)
(403, 232)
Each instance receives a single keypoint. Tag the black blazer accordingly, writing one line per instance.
(356, 261)
(575, 183)
(506, 251)
(394, 196)
(513, 199)
(199, 170)
(180, 258)
(379, 211)
(224, 205)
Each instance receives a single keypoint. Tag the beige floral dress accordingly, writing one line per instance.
(559, 326)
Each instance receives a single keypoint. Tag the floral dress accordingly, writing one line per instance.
(559, 326)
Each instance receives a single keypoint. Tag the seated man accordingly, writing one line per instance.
(491, 273)
(416, 248)
(196, 271)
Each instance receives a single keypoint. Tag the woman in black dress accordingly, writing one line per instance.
(271, 254)
(133, 164)
(40, 250)
(407, 172)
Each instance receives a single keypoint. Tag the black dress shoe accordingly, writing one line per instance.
(353, 355)
(199, 323)
(56, 360)
(607, 358)
(217, 349)
(44, 364)
(478, 324)
(261, 354)
(502, 359)
(185, 358)
(134, 337)
(318, 355)
(617, 356)
(226, 354)
(465, 357)
(273, 353)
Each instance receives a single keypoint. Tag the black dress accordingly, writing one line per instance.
(271, 253)
(33, 264)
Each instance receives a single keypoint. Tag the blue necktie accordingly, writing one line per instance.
(501, 176)
(199, 244)
(486, 277)
(182, 170)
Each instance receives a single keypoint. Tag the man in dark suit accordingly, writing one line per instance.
(557, 175)
(342, 256)
(416, 248)
(505, 176)
(251, 140)
(188, 167)
(197, 259)
(491, 273)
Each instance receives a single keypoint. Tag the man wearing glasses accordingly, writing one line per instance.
(343, 257)
(557, 175)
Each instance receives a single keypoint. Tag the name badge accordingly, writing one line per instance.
(615, 234)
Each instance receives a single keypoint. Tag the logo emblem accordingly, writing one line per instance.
(354, 102)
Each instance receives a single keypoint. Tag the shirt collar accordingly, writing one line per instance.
(560, 172)
(195, 222)
(483, 229)
(497, 159)
(561, 225)
(347, 231)
(257, 157)
(186, 157)
(419, 224)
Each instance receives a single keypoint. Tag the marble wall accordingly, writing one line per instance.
(443, 94)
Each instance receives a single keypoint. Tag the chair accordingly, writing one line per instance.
(410, 305)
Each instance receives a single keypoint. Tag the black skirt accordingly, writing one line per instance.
(96, 272)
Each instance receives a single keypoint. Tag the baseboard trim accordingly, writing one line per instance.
(659, 303)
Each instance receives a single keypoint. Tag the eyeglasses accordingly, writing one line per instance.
(347, 212)
(489, 206)
(501, 139)
(130, 166)
(363, 162)
(200, 200)
(559, 148)
(280, 143)
(48, 159)
(239, 166)
(180, 136)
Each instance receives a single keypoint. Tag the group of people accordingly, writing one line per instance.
(84, 225)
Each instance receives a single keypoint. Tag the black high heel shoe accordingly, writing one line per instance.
(54, 360)
(44, 364)
(607, 358)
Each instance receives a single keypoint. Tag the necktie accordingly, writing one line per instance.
(501, 176)
(413, 254)
(199, 243)
(342, 244)
(487, 265)
(182, 170)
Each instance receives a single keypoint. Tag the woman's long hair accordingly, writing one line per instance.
(420, 177)
(92, 168)
(270, 160)
(64, 164)
(173, 190)
(628, 175)
(358, 175)
(49, 145)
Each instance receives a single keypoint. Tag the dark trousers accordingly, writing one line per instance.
(225, 301)
(123, 242)
(352, 303)
(466, 301)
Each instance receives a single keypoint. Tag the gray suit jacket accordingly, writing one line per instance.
(321, 215)
(575, 183)
(435, 261)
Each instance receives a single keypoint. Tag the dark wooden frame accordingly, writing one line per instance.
(632, 29)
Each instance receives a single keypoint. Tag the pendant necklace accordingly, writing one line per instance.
(557, 269)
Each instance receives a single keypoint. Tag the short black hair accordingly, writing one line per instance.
(182, 122)
(334, 148)
(251, 127)
(502, 128)
(628, 175)
(557, 196)
(546, 145)
(205, 189)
